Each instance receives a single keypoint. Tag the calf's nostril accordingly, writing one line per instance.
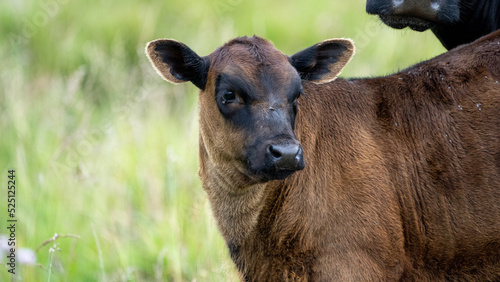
(284, 156)
(275, 152)
(284, 153)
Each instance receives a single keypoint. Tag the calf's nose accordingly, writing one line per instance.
(286, 156)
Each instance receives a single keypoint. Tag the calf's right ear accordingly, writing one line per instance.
(176, 63)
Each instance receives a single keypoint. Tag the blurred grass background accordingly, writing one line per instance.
(104, 149)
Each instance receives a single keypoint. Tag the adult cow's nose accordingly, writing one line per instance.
(379, 7)
(286, 156)
(423, 9)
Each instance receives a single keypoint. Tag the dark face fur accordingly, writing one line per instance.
(256, 91)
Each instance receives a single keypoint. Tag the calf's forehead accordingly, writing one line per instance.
(255, 60)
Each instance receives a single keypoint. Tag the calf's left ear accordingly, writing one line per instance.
(324, 61)
(176, 63)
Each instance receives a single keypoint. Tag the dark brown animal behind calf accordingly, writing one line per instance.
(394, 178)
(454, 22)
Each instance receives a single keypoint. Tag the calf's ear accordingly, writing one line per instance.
(324, 61)
(176, 63)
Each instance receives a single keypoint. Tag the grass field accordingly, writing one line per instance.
(105, 151)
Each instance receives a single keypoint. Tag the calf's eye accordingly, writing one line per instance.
(228, 97)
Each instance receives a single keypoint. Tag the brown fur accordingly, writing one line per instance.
(402, 176)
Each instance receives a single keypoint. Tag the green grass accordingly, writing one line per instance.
(104, 149)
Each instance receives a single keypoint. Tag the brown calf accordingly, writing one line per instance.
(394, 178)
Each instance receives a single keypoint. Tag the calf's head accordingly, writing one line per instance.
(249, 99)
